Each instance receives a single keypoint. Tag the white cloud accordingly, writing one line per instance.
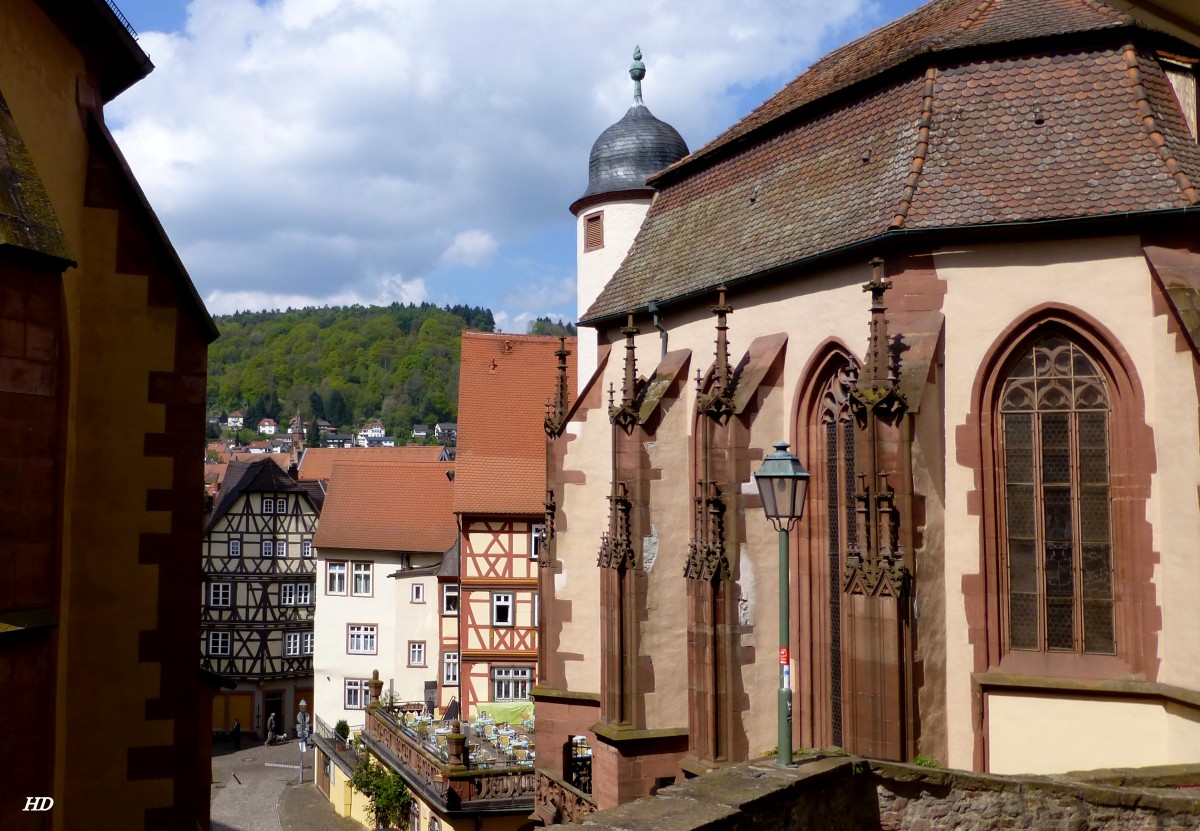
(299, 148)
(471, 248)
(387, 290)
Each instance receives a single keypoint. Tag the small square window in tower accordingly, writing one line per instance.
(593, 231)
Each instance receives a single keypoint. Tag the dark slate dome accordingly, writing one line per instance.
(635, 147)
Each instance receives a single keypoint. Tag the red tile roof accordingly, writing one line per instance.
(318, 461)
(283, 460)
(504, 384)
(389, 506)
(1033, 127)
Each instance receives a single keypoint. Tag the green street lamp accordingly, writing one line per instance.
(783, 484)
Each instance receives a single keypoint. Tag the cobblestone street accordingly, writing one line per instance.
(257, 789)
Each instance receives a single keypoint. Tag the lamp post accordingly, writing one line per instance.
(302, 731)
(783, 483)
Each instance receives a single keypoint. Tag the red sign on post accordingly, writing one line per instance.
(783, 655)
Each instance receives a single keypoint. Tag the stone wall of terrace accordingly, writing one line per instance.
(850, 794)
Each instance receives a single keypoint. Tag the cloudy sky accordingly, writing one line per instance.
(311, 152)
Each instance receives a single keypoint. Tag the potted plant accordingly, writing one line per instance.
(342, 729)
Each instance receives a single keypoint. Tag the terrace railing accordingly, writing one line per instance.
(557, 802)
(444, 773)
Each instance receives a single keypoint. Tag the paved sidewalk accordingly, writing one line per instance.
(257, 789)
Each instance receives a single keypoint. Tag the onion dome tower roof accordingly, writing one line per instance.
(637, 146)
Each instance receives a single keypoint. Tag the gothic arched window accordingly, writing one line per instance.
(1057, 541)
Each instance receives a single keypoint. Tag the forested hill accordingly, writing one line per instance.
(346, 365)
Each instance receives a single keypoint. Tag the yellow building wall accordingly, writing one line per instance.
(1045, 734)
(113, 342)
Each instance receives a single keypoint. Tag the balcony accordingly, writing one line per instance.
(345, 751)
(455, 772)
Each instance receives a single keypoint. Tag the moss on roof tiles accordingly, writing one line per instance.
(27, 219)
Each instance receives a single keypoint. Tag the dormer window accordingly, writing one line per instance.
(593, 231)
(1182, 75)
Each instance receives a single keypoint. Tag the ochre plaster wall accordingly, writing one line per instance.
(988, 290)
(1108, 280)
(126, 740)
(583, 517)
(1053, 734)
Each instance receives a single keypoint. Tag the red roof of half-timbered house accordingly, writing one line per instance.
(505, 382)
(389, 506)
(318, 462)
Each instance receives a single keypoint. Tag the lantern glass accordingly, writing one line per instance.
(782, 484)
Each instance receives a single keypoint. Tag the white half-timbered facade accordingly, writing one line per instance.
(259, 595)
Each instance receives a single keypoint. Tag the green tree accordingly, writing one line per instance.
(313, 438)
(385, 790)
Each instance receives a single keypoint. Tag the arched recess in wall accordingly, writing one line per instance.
(824, 441)
(1063, 459)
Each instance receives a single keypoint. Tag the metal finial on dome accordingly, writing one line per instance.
(637, 71)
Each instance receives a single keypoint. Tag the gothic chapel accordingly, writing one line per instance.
(955, 266)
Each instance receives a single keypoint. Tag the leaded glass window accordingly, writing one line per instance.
(838, 427)
(1058, 538)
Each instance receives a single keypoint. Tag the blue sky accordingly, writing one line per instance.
(305, 152)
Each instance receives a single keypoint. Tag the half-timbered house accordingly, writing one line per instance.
(385, 530)
(259, 595)
(997, 564)
(508, 386)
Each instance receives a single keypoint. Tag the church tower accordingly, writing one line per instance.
(611, 210)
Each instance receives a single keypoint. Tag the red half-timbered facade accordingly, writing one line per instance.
(500, 498)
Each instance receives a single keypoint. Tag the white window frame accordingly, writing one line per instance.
(511, 683)
(306, 549)
(416, 653)
(307, 646)
(220, 644)
(450, 664)
(450, 590)
(537, 538)
(366, 572)
(304, 594)
(281, 548)
(281, 506)
(335, 577)
(287, 594)
(357, 693)
(235, 548)
(362, 639)
(220, 595)
(268, 505)
(418, 593)
(268, 548)
(503, 600)
(291, 644)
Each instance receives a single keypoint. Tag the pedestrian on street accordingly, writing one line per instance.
(237, 734)
(270, 731)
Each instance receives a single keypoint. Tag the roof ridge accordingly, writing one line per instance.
(922, 148)
(1154, 133)
(970, 20)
